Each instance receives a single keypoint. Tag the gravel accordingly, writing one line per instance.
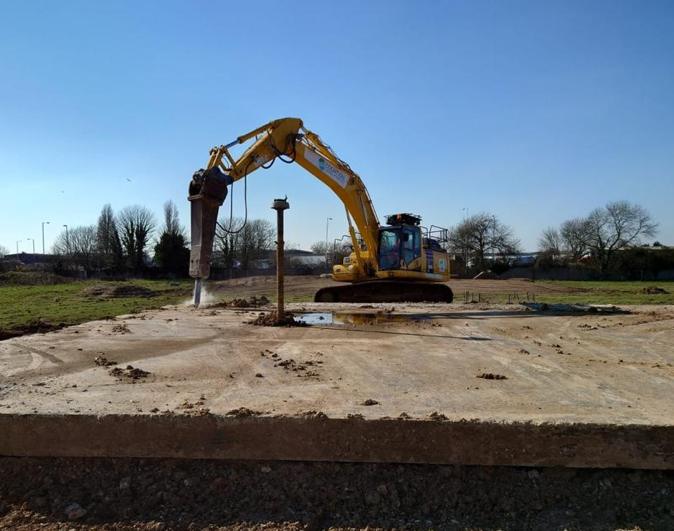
(160, 494)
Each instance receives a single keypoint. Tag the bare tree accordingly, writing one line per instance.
(226, 241)
(3, 251)
(335, 251)
(320, 248)
(257, 236)
(243, 243)
(172, 224)
(136, 224)
(550, 241)
(619, 225)
(575, 237)
(481, 233)
(79, 245)
(108, 242)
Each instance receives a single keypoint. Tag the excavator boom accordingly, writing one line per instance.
(288, 140)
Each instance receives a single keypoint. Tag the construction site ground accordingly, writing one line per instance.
(462, 416)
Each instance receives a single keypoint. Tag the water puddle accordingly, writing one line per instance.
(372, 318)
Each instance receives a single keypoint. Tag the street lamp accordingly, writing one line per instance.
(43, 224)
(32, 240)
(67, 240)
(327, 224)
(17, 248)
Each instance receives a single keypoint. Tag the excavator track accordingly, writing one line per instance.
(386, 291)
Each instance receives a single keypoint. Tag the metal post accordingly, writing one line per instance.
(32, 240)
(17, 248)
(279, 205)
(43, 224)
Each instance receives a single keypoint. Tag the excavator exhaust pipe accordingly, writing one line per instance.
(207, 192)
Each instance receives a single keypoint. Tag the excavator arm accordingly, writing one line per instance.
(288, 140)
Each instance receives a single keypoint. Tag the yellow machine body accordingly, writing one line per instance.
(419, 258)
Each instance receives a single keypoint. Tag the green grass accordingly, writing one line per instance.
(607, 292)
(23, 305)
(63, 303)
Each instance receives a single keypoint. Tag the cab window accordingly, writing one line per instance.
(411, 245)
(389, 249)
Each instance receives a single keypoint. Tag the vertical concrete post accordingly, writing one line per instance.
(279, 205)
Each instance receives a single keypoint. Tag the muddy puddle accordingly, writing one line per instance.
(344, 318)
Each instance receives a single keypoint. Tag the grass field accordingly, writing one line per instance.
(39, 307)
(567, 292)
(32, 308)
(301, 289)
(608, 292)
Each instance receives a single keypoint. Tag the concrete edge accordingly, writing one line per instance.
(324, 439)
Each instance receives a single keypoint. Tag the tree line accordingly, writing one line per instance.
(123, 241)
(597, 240)
(599, 237)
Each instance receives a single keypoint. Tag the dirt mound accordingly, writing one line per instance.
(271, 319)
(252, 302)
(32, 278)
(102, 361)
(129, 373)
(654, 290)
(118, 291)
(486, 275)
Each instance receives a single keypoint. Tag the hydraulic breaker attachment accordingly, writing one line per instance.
(207, 192)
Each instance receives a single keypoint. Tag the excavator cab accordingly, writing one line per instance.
(400, 243)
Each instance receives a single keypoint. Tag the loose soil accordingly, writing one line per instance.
(271, 319)
(116, 494)
(491, 376)
(129, 373)
(654, 290)
(253, 302)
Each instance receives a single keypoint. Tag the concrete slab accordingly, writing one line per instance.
(579, 389)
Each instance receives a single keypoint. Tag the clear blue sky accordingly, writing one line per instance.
(535, 111)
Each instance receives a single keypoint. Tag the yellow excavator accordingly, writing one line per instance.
(400, 262)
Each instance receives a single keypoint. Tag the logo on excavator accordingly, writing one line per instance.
(334, 173)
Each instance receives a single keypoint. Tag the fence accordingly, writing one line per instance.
(577, 273)
(507, 298)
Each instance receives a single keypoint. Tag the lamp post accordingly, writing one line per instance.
(67, 240)
(327, 225)
(43, 224)
(17, 248)
(32, 240)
